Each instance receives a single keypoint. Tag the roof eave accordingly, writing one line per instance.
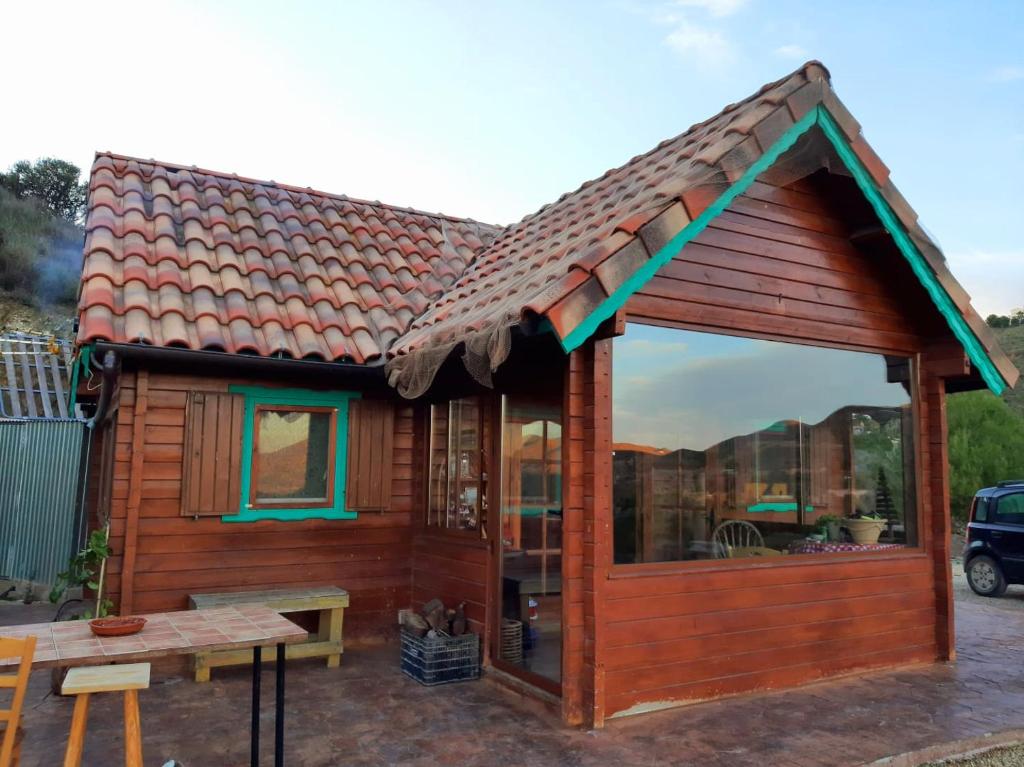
(594, 306)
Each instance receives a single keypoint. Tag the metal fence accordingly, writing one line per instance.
(41, 464)
(35, 376)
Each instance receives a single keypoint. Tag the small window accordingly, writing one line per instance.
(1010, 509)
(458, 472)
(981, 509)
(293, 457)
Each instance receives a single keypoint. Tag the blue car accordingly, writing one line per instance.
(994, 552)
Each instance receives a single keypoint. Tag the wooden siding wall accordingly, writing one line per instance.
(778, 263)
(170, 557)
(577, 418)
(454, 570)
(587, 516)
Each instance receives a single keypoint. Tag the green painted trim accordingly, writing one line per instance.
(672, 248)
(262, 395)
(975, 350)
(776, 506)
(534, 511)
(82, 362)
(818, 116)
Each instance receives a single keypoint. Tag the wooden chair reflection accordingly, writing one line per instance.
(735, 534)
(10, 718)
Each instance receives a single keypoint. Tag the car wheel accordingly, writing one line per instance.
(985, 577)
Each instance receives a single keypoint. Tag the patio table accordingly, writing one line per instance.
(72, 643)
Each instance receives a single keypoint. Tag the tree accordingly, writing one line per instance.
(986, 444)
(997, 321)
(884, 506)
(53, 182)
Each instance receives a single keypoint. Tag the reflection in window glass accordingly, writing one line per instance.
(531, 536)
(458, 477)
(735, 447)
(293, 456)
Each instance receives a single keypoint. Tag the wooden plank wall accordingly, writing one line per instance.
(454, 570)
(577, 687)
(174, 556)
(935, 472)
(778, 263)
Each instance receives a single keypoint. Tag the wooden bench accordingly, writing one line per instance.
(330, 601)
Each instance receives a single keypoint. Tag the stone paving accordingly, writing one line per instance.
(367, 713)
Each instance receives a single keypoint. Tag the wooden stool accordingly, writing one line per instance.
(84, 681)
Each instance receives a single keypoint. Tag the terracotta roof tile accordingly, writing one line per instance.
(179, 256)
(187, 257)
(530, 265)
(565, 259)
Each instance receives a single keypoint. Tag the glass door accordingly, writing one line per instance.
(530, 631)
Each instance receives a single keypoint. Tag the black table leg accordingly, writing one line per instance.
(279, 710)
(254, 726)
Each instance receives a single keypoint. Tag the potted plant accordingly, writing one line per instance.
(865, 528)
(829, 524)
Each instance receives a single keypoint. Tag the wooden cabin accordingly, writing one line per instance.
(611, 429)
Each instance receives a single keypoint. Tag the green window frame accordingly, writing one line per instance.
(262, 396)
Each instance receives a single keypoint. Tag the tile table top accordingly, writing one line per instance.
(72, 643)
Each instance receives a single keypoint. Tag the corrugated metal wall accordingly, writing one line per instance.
(40, 471)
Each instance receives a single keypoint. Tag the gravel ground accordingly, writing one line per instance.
(1012, 600)
(1011, 756)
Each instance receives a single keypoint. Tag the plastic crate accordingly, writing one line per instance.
(441, 659)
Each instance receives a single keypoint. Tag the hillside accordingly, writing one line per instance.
(40, 245)
(1012, 341)
(18, 316)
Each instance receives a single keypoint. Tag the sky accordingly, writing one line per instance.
(491, 110)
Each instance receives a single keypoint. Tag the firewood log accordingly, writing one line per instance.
(459, 621)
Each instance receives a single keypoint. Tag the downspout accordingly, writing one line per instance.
(108, 373)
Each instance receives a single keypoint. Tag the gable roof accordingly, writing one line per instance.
(191, 258)
(576, 261)
(177, 256)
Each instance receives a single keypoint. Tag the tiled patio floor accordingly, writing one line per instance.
(366, 713)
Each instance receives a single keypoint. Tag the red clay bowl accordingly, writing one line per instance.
(116, 627)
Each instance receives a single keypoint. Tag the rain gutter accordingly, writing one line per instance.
(192, 361)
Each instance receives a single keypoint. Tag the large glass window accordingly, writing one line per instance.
(727, 447)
